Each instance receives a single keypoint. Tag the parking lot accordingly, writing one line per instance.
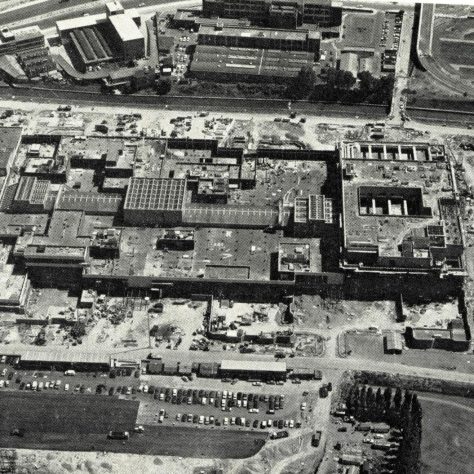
(247, 410)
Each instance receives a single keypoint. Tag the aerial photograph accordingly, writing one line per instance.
(236, 237)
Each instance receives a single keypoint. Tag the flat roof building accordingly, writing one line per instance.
(399, 211)
(23, 39)
(254, 369)
(155, 201)
(230, 63)
(10, 138)
(263, 38)
(276, 13)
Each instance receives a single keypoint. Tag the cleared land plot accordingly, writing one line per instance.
(161, 440)
(447, 438)
(65, 414)
(362, 30)
(457, 52)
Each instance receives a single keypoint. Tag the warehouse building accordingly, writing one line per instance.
(276, 12)
(267, 370)
(64, 360)
(260, 65)
(261, 38)
(101, 38)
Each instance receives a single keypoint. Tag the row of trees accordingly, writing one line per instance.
(402, 411)
(335, 85)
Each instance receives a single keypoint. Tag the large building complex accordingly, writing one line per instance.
(277, 13)
(399, 209)
(182, 215)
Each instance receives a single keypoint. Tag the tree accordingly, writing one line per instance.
(78, 330)
(303, 84)
(163, 86)
(397, 399)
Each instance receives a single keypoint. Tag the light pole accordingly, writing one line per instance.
(147, 300)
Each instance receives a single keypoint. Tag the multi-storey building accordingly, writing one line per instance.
(278, 13)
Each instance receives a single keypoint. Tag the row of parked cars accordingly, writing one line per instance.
(225, 400)
(232, 421)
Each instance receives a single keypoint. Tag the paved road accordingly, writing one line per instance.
(424, 48)
(328, 362)
(51, 11)
(402, 65)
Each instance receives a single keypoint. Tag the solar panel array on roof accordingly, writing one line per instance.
(159, 194)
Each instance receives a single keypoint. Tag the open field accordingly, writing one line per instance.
(157, 440)
(446, 438)
(65, 414)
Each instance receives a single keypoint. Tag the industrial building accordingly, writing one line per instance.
(97, 39)
(399, 209)
(261, 38)
(225, 63)
(256, 370)
(277, 13)
(455, 337)
(155, 201)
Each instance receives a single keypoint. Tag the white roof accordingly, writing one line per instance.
(254, 365)
(125, 27)
(80, 22)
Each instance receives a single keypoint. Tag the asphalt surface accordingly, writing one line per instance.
(61, 11)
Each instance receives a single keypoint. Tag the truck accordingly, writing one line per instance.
(279, 434)
(315, 439)
(118, 435)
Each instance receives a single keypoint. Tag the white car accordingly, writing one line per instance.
(201, 419)
(303, 406)
(226, 421)
(178, 417)
(291, 424)
(66, 387)
(161, 418)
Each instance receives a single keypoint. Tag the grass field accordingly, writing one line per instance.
(65, 413)
(72, 422)
(458, 52)
(447, 436)
(156, 440)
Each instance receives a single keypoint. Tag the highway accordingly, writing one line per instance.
(53, 11)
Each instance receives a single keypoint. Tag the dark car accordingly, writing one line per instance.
(255, 423)
(247, 423)
(281, 423)
(111, 391)
(20, 432)
(195, 418)
(151, 389)
(184, 417)
(22, 385)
